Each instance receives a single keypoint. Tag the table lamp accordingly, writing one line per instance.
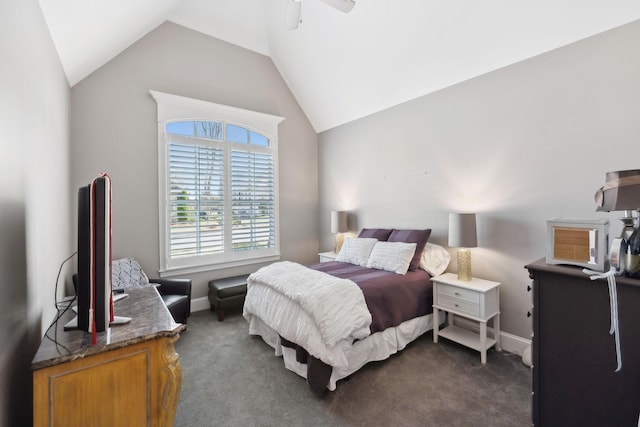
(462, 235)
(339, 226)
(621, 192)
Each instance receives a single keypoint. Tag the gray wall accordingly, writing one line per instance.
(34, 201)
(520, 145)
(114, 129)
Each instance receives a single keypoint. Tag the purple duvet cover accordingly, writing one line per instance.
(391, 298)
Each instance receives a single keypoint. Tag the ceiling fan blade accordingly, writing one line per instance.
(292, 20)
(342, 5)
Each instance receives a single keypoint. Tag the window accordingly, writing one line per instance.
(217, 185)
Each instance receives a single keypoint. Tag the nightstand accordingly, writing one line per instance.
(327, 256)
(475, 299)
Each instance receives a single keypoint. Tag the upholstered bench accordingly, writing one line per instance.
(227, 293)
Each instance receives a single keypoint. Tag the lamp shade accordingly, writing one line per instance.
(339, 222)
(462, 230)
(621, 192)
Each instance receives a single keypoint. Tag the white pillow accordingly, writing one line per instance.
(356, 250)
(392, 256)
(435, 259)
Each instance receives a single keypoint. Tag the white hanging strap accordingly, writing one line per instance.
(613, 304)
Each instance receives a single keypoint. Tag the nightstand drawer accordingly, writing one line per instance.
(459, 305)
(458, 293)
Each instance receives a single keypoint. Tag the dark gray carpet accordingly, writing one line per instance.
(232, 379)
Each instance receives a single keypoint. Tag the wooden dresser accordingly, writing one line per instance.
(131, 377)
(574, 356)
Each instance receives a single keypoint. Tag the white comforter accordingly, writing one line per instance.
(322, 313)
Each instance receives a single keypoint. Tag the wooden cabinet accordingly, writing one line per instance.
(574, 356)
(132, 377)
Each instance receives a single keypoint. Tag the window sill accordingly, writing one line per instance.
(180, 271)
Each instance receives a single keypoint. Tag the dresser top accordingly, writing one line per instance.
(540, 266)
(150, 319)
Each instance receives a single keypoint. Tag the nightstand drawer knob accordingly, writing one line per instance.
(458, 294)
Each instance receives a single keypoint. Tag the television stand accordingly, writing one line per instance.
(132, 376)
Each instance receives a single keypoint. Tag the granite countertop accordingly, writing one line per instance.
(150, 319)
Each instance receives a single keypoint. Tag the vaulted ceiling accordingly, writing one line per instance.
(341, 67)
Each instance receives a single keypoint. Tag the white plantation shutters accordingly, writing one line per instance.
(217, 185)
(221, 199)
(252, 200)
(196, 200)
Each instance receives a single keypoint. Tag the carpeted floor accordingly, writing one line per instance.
(232, 379)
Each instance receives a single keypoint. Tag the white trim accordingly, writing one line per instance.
(176, 108)
(179, 271)
(199, 304)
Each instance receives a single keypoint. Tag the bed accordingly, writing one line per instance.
(328, 320)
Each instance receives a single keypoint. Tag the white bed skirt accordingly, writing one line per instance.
(378, 346)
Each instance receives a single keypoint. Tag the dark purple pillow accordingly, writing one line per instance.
(382, 234)
(419, 237)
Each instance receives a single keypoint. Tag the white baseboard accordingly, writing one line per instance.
(199, 304)
(509, 342)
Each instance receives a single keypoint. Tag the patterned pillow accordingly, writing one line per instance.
(392, 256)
(356, 251)
(127, 273)
(419, 237)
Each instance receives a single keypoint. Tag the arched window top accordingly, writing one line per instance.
(217, 131)
(199, 129)
(175, 108)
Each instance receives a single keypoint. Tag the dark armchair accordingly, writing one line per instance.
(176, 293)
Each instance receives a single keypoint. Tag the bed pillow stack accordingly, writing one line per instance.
(435, 259)
(356, 251)
(392, 256)
(392, 249)
(419, 237)
(381, 234)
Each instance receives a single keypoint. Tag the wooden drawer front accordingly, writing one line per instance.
(459, 305)
(459, 293)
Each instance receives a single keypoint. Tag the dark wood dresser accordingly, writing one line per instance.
(574, 356)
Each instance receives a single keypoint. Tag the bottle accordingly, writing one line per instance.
(632, 255)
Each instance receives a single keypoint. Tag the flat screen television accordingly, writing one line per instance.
(94, 293)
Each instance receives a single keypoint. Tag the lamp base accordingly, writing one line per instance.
(464, 265)
(339, 243)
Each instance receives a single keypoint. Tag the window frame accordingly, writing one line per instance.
(175, 108)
